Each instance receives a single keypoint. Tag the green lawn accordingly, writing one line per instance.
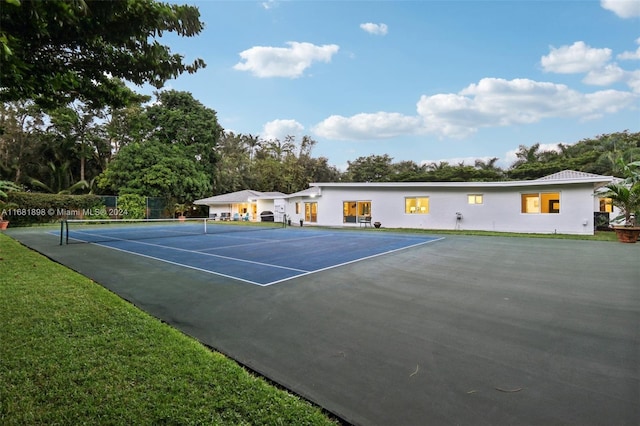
(72, 352)
(598, 236)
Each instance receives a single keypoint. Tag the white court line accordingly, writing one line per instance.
(181, 264)
(352, 261)
(215, 255)
(263, 241)
(301, 274)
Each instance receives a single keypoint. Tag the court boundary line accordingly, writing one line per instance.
(181, 264)
(262, 241)
(353, 261)
(302, 273)
(210, 255)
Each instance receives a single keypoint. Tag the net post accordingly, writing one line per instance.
(205, 225)
(66, 225)
(61, 231)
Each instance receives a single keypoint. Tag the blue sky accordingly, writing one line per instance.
(426, 81)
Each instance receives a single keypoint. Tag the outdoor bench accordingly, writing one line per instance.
(366, 220)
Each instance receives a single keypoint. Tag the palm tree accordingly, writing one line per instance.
(627, 199)
(5, 187)
(527, 155)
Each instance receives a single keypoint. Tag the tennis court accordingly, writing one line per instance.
(260, 254)
(468, 330)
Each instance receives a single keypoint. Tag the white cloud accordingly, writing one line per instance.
(266, 61)
(631, 55)
(605, 76)
(377, 29)
(595, 63)
(622, 8)
(279, 129)
(492, 102)
(379, 125)
(495, 102)
(633, 81)
(269, 4)
(577, 58)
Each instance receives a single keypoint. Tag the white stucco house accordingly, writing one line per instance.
(244, 205)
(563, 202)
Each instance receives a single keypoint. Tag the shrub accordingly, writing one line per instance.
(132, 206)
(35, 208)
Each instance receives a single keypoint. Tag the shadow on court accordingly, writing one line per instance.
(467, 330)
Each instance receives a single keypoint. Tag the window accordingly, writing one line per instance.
(311, 212)
(545, 202)
(475, 198)
(354, 210)
(297, 208)
(417, 205)
(606, 205)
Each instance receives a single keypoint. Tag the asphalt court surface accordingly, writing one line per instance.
(464, 331)
(261, 257)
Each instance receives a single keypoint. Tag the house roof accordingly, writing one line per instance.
(566, 177)
(313, 191)
(239, 197)
(570, 175)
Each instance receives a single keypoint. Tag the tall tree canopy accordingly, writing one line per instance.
(175, 156)
(374, 168)
(58, 51)
(178, 118)
(156, 169)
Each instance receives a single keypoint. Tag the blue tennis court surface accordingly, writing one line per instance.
(264, 257)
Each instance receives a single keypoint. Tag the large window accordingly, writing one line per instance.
(416, 205)
(606, 205)
(311, 212)
(354, 210)
(544, 202)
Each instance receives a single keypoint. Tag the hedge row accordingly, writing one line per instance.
(26, 208)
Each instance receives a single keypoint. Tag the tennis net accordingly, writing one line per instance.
(105, 230)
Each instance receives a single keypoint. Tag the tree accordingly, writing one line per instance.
(625, 197)
(125, 125)
(80, 125)
(133, 206)
(527, 155)
(55, 52)
(176, 155)
(155, 169)
(5, 187)
(374, 168)
(408, 171)
(19, 134)
(177, 118)
(234, 166)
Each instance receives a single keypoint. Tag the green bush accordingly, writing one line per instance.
(132, 206)
(34, 208)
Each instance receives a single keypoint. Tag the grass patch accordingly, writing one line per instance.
(72, 352)
(598, 236)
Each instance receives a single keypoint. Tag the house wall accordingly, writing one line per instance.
(615, 213)
(254, 208)
(232, 209)
(276, 206)
(290, 209)
(217, 210)
(500, 210)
